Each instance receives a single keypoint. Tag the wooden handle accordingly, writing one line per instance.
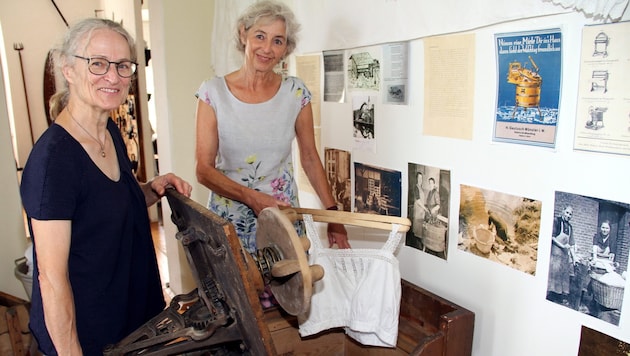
(317, 272)
(285, 268)
(382, 222)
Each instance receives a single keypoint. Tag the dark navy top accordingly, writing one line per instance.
(112, 264)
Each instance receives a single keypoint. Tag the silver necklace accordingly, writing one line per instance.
(89, 134)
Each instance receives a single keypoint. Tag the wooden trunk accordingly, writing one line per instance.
(15, 337)
(428, 326)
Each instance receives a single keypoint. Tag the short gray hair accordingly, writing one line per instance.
(268, 10)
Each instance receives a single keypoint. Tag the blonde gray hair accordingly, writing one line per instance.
(78, 35)
(268, 10)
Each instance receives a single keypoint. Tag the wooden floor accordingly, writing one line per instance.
(157, 231)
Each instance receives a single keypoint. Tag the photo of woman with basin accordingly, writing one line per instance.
(589, 257)
(428, 197)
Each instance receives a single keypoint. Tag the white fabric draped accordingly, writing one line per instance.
(347, 24)
(224, 56)
(605, 9)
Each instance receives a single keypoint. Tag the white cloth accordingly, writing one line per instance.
(603, 8)
(360, 291)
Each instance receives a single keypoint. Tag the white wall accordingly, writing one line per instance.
(13, 237)
(512, 315)
(180, 41)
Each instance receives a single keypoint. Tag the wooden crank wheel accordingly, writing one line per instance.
(293, 278)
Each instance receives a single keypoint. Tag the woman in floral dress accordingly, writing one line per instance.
(247, 121)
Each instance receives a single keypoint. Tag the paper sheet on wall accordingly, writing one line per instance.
(334, 76)
(395, 73)
(602, 122)
(308, 69)
(449, 80)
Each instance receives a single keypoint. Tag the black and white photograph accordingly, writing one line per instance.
(503, 228)
(363, 117)
(428, 209)
(588, 261)
(377, 190)
(337, 163)
(334, 82)
(364, 70)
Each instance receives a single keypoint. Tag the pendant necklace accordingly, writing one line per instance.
(89, 134)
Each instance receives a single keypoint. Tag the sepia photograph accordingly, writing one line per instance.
(501, 227)
(588, 263)
(377, 190)
(595, 343)
(428, 205)
(337, 163)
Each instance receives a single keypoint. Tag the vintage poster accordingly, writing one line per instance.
(602, 122)
(529, 78)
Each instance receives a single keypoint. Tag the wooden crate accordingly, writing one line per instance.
(15, 337)
(428, 326)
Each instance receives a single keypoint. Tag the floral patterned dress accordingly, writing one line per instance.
(255, 142)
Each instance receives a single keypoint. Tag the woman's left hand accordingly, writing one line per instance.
(160, 183)
(337, 234)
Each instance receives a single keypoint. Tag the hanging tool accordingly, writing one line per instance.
(60, 14)
(19, 47)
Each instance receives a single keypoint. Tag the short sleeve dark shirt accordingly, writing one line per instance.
(112, 264)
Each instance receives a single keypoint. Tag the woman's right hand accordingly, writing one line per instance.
(257, 201)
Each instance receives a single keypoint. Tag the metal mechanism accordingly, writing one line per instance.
(601, 45)
(596, 120)
(599, 80)
(528, 83)
(223, 315)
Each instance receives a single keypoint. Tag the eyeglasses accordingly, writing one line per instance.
(100, 66)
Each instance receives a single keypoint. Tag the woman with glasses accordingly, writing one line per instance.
(95, 277)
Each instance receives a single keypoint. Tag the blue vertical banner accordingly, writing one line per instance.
(529, 77)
